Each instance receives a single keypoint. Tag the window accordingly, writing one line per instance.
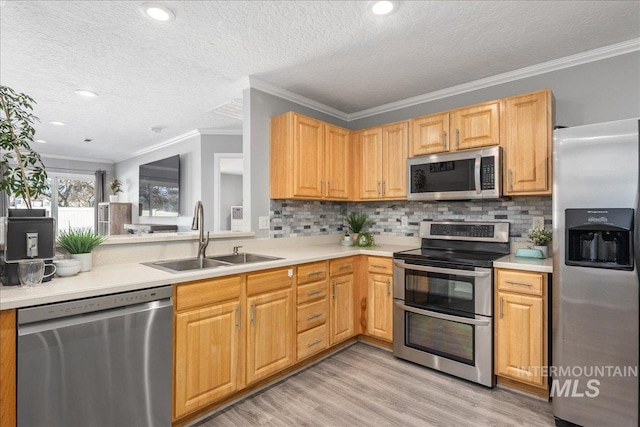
(72, 204)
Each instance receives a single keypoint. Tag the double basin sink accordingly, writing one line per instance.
(189, 264)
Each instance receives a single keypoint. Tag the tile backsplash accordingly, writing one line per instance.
(291, 218)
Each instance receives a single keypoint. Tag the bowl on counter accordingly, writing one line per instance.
(67, 267)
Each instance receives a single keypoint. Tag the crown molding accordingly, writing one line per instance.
(75, 159)
(298, 99)
(534, 70)
(210, 131)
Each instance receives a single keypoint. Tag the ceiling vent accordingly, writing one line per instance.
(231, 109)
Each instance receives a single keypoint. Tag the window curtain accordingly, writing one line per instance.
(100, 194)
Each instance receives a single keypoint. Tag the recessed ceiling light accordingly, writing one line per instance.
(57, 123)
(384, 7)
(41, 141)
(84, 92)
(157, 12)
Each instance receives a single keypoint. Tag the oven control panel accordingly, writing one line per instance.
(479, 231)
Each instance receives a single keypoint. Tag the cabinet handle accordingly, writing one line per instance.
(328, 188)
(253, 313)
(344, 267)
(315, 273)
(510, 179)
(316, 292)
(445, 141)
(515, 282)
(321, 187)
(239, 320)
(334, 290)
(457, 139)
(314, 316)
(501, 307)
(378, 266)
(379, 194)
(388, 287)
(383, 188)
(314, 342)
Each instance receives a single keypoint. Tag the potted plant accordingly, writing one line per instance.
(116, 187)
(356, 221)
(79, 242)
(540, 237)
(23, 173)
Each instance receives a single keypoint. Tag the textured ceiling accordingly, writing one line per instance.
(172, 75)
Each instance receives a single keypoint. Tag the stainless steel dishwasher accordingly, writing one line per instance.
(103, 361)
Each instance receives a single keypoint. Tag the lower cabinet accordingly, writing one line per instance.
(208, 342)
(312, 310)
(521, 347)
(270, 323)
(380, 297)
(342, 324)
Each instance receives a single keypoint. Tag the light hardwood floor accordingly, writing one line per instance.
(366, 386)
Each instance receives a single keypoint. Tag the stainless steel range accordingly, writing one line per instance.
(443, 298)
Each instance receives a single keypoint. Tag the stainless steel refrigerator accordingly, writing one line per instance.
(596, 252)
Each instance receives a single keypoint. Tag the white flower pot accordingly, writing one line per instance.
(113, 198)
(85, 259)
(544, 250)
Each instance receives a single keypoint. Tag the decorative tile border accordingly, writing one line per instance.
(291, 218)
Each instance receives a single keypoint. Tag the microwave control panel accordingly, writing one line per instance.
(487, 173)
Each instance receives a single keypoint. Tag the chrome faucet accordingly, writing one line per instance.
(198, 224)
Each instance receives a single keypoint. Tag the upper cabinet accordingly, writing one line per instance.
(381, 154)
(462, 129)
(301, 148)
(527, 144)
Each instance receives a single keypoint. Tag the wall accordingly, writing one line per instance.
(599, 91)
(190, 180)
(291, 218)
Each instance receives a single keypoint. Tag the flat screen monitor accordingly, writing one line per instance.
(159, 193)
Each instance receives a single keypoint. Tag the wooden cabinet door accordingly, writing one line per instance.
(380, 306)
(395, 141)
(206, 355)
(270, 338)
(342, 319)
(527, 144)
(338, 162)
(370, 163)
(520, 338)
(308, 156)
(430, 134)
(476, 126)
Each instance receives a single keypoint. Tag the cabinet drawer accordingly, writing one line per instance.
(206, 292)
(524, 282)
(269, 280)
(380, 265)
(312, 341)
(312, 315)
(312, 292)
(341, 266)
(312, 272)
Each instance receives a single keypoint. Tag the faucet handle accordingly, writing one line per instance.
(235, 249)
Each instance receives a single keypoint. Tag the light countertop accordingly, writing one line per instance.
(107, 279)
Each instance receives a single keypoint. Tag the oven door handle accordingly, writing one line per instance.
(466, 273)
(443, 316)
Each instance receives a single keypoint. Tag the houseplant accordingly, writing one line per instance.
(23, 173)
(116, 187)
(79, 242)
(540, 237)
(356, 221)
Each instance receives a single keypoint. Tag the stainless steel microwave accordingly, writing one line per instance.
(462, 175)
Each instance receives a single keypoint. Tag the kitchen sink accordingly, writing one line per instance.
(244, 258)
(188, 264)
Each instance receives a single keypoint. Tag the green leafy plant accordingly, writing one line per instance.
(357, 221)
(365, 240)
(116, 186)
(23, 173)
(540, 236)
(79, 240)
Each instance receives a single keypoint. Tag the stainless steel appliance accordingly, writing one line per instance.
(443, 298)
(26, 237)
(103, 361)
(463, 175)
(595, 264)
